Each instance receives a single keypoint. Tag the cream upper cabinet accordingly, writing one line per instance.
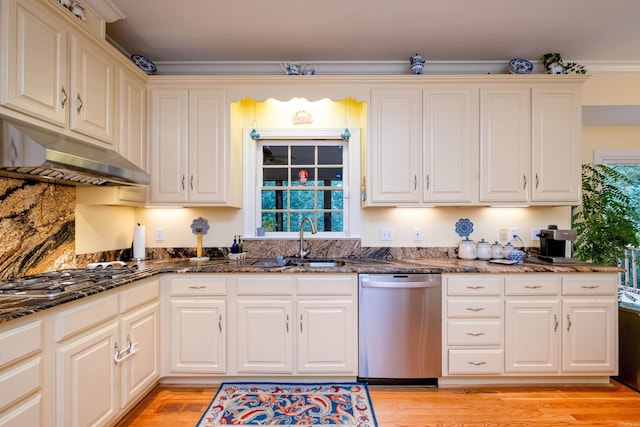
(394, 154)
(58, 75)
(38, 62)
(190, 156)
(450, 145)
(505, 144)
(132, 117)
(556, 126)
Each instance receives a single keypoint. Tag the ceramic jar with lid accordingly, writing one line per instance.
(467, 249)
(497, 251)
(508, 248)
(483, 250)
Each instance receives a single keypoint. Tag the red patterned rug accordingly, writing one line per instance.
(277, 404)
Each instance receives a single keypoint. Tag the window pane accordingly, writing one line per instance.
(331, 199)
(274, 199)
(275, 155)
(275, 176)
(331, 174)
(304, 199)
(298, 180)
(303, 155)
(296, 218)
(330, 155)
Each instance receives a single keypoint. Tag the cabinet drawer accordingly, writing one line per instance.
(475, 362)
(20, 382)
(75, 320)
(474, 285)
(29, 413)
(327, 285)
(139, 295)
(260, 285)
(474, 308)
(20, 342)
(532, 285)
(589, 285)
(198, 285)
(475, 332)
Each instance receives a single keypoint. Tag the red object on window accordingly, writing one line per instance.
(303, 175)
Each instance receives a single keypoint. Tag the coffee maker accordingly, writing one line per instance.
(554, 245)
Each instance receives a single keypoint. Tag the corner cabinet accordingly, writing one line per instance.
(189, 147)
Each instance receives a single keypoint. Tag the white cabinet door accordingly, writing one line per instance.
(37, 62)
(198, 336)
(394, 153)
(132, 118)
(326, 336)
(167, 145)
(590, 338)
(208, 156)
(139, 371)
(505, 143)
(450, 165)
(264, 336)
(532, 335)
(91, 99)
(86, 385)
(556, 134)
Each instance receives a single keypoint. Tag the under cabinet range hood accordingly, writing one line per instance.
(29, 152)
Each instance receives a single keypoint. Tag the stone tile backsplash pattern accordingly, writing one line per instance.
(37, 227)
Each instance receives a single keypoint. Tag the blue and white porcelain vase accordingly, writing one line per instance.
(417, 64)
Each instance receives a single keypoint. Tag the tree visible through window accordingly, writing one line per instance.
(302, 178)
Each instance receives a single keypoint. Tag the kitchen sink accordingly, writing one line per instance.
(317, 262)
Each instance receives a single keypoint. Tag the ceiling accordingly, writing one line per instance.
(584, 31)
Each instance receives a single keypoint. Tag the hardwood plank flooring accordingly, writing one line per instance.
(615, 405)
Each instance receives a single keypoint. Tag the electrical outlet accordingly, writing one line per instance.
(513, 232)
(534, 233)
(386, 233)
(417, 234)
(159, 234)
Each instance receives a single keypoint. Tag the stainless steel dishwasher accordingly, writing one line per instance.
(400, 328)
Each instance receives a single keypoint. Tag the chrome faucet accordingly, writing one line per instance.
(304, 252)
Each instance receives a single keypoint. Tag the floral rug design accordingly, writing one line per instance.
(277, 404)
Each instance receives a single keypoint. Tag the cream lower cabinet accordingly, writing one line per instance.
(555, 325)
(21, 376)
(197, 324)
(297, 324)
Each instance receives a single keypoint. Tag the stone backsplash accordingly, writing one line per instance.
(37, 227)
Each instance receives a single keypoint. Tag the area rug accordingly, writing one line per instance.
(278, 404)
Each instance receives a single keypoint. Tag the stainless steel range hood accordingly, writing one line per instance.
(30, 152)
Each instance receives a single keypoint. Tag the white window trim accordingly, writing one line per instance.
(608, 157)
(250, 186)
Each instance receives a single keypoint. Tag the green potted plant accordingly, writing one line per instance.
(604, 222)
(269, 224)
(554, 65)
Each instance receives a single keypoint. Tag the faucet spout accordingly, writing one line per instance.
(303, 251)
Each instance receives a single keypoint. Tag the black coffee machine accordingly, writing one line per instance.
(553, 245)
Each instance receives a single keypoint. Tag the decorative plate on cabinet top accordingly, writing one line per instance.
(144, 64)
(520, 66)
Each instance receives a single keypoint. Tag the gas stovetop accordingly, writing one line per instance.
(54, 284)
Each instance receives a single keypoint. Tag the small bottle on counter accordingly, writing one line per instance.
(234, 246)
(240, 245)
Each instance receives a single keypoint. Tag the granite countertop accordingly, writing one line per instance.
(16, 307)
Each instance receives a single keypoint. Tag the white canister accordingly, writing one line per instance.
(467, 249)
(508, 248)
(497, 251)
(484, 250)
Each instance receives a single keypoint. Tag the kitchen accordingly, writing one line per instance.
(105, 229)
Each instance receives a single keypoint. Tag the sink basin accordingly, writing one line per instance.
(270, 262)
(317, 262)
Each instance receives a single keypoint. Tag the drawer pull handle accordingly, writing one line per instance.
(286, 325)
(590, 286)
(475, 334)
(475, 287)
(197, 287)
(555, 319)
(220, 323)
(301, 324)
(533, 286)
(475, 308)
(477, 363)
(568, 323)
(127, 352)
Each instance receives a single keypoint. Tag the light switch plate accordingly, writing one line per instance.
(386, 233)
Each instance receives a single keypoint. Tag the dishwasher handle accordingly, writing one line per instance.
(399, 282)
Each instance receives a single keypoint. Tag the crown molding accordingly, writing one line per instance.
(376, 67)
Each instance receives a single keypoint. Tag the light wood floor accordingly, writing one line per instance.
(615, 405)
